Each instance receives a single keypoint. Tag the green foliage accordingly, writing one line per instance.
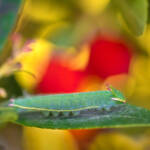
(134, 12)
(111, 115)
(123, 115)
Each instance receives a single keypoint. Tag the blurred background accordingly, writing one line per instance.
(78, 46)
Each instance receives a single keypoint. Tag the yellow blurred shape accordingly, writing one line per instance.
(115, 141)
(54, 28)
(137, 88)
(47, 139)
(145, 38)
(80, 61)
(93, 7)
(35, 63)
(46, 10)
(139, 80)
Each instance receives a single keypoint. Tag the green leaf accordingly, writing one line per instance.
(134, 12)
(120, 115)
(8, 16)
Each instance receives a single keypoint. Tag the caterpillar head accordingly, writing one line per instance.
(117, 95)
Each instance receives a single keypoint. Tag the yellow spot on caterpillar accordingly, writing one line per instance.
(119, 99)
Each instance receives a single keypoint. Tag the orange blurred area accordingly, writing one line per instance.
(84, 137)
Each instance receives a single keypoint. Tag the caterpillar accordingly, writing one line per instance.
(66, 105)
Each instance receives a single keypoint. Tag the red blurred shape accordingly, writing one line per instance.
(59, 79)
(109, 56)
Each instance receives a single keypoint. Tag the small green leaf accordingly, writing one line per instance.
(8, 15)
(134, 12)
